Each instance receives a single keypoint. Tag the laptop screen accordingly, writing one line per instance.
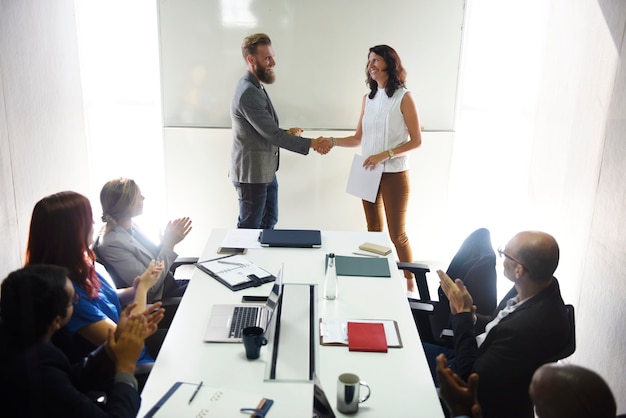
(273, 298)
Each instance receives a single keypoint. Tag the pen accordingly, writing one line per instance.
(195, 392)
(366, 255)
(231, 263)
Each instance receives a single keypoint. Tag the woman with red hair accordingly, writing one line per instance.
(61, 232)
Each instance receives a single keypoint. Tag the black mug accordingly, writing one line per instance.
(253, 339)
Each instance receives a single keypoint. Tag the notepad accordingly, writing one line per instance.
(367, 336)
(361, 266)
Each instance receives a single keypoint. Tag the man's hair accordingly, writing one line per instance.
(395, 71)
(251, 43)
(30, 299)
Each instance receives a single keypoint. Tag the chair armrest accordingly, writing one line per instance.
(182, 261)
(421, 306)
(419, 271)
(446, 333)
(413, 267)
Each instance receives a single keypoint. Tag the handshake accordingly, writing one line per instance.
(321, 144)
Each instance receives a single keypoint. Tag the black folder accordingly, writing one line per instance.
(293, 238)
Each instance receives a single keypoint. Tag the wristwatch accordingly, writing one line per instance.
(390, 152)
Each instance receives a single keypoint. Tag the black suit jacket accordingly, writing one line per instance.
(40, 382)
(524, 340)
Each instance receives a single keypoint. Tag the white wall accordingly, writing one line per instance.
(42, 133)
(556, 163)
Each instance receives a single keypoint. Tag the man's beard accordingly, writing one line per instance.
(264, 75)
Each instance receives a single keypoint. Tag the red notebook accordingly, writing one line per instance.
(367, 336)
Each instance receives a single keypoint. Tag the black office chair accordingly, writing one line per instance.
(569, 349)
(475, 264)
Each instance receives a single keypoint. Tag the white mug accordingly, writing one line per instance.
(348, 387)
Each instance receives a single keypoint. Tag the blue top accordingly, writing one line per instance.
(106, 305)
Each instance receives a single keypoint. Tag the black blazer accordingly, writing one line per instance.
(40, 382)
(524, 340)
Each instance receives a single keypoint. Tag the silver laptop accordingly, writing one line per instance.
(228, 320)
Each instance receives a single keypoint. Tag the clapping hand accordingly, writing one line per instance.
(150, 276)
(176, 231)
(153, 314)
(125, 347)
(458, 295)
(461, 398)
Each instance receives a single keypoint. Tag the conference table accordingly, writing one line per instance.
(400, 380)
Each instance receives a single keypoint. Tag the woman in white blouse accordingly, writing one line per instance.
(388, 129)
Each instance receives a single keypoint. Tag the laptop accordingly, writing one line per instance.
(228, 320)
(293, 238)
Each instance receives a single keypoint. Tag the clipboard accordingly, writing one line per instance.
(334, 331)
(209, 402)
(235, 272)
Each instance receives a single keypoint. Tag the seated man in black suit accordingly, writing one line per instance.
(529, 327)
(36, 378)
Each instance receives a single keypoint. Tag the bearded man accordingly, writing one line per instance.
(257, 138)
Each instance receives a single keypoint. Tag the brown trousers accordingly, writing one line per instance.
(393, 199)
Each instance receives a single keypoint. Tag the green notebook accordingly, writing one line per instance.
(361, 266)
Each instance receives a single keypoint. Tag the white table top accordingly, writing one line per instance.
(400, 380)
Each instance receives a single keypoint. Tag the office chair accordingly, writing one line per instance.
(475, 264)
(569, 349)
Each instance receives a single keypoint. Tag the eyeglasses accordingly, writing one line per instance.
(503, 254)
(74, 301)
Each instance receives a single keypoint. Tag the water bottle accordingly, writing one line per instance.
(330, 283)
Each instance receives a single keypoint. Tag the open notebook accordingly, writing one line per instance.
(228, 320)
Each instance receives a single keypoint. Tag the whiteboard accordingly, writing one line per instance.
(321, 51)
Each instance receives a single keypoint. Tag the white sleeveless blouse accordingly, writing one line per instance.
(383, 128)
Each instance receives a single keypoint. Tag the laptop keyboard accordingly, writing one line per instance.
(243, 316)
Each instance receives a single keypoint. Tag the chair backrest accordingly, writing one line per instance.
(569, 349)
(475, 264)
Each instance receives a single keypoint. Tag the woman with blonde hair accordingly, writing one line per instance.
(125, 250)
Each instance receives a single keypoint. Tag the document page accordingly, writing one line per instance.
(363, 182)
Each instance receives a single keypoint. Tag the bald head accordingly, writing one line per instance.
(570, 391)
(538, 252)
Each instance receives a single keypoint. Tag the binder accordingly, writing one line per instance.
(235, 272)
(334, 331)
(292, 238)
(367, 336)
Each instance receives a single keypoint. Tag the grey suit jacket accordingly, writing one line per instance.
(129, 258)
(256, 134)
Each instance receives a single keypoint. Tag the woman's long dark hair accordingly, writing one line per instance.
(395, 71)
(59, 235)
